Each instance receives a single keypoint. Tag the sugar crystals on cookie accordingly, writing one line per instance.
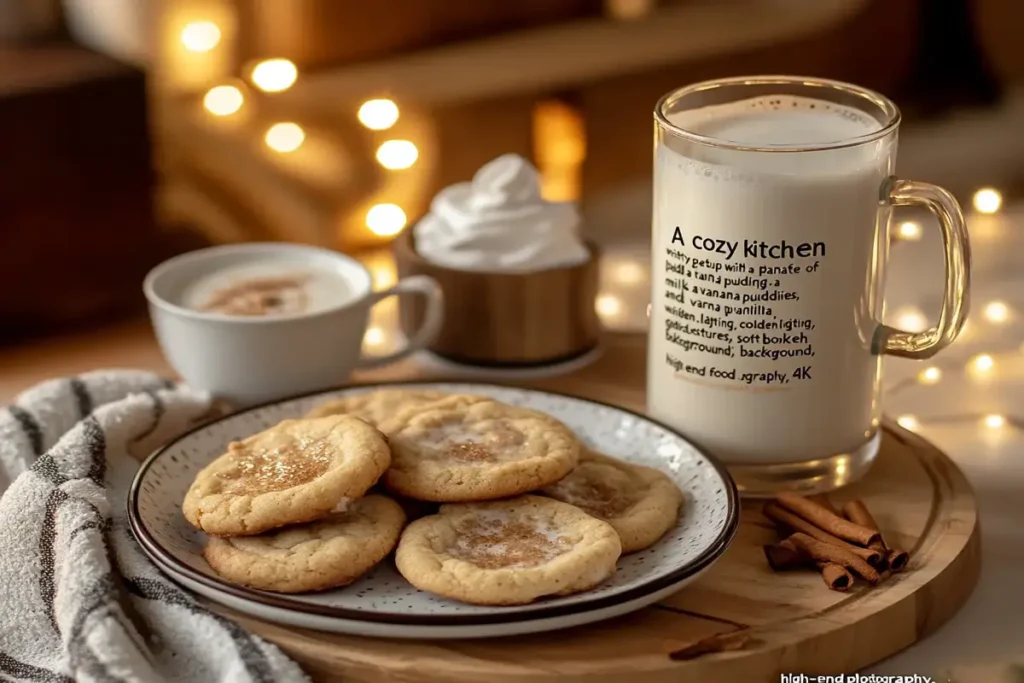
(640, 503)
(297, 471)
(507, 552)
(467, 448)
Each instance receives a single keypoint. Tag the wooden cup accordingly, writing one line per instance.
(507, 319)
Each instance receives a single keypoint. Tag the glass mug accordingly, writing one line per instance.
(772, 200)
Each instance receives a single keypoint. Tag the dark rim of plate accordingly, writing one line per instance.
(498, 616)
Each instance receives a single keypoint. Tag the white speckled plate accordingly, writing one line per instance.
(382, 603)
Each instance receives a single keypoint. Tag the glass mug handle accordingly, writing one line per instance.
(957, 248)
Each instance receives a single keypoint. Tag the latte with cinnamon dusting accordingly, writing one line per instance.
(266, 289)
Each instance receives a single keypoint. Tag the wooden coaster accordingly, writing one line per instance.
(791, 623)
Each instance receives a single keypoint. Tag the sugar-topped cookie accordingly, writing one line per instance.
(378, 405)
(297, 471)
(328, 553)
(639, 502)
(507, 552)
(466, 448)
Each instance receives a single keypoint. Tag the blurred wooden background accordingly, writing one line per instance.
(101, 188)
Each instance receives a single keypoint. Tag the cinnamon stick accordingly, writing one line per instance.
(823, 519)
(835, 576)
(834, 579)
(843, 581)
(780, 515)
(822, 500)
(720, 642)
(897, 560)
(857, 512)
(782, 557)
(826, 552)
(786, 555)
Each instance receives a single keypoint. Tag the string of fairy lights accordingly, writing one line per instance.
(981, 366)
(277, 75)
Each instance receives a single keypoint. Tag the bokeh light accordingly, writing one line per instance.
(995, 421)
(608, 305)
(223, 100)
(397, 154)
(285, 137)
(385, 219)
(908, 422)
(987, 200)
(374, 337)
(200, 36)
(909, 230)
(981, 364)
(275, 75)
(996, 312)
(911, 319)
(378, 114)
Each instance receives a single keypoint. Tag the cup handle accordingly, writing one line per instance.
(957, 248)
(418, 285)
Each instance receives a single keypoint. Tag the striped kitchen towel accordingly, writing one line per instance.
(79, 601)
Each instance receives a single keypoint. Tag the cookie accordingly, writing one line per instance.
(375, 406)
(508, 552)
(331, 552)
(295, 472)
(639, 502)
(466, 448)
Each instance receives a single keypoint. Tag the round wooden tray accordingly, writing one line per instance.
(795, 624)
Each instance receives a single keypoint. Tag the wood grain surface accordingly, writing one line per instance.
(918, 496)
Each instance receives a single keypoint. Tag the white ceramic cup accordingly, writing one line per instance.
(252, 360)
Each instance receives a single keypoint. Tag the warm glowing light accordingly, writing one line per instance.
(648, 310)
(987, 200)
(374, 337)
(911, 319)
(285, 137)
(909, 230)
(559, 149)
(378, 114)
(997, 312)
(274, 75)
(397, 154)
(908, 422)
(385, 219)
(629, 272)
(223, 100)
(384, 275)
(930, 375)
(200, 36)
(982, 364)
(842, 466)
(608, 305)
(994, 421)
(628, 10)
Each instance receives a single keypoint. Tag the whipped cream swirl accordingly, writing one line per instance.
(499, 222)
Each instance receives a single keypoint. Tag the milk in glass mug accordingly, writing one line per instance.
(772, 202)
